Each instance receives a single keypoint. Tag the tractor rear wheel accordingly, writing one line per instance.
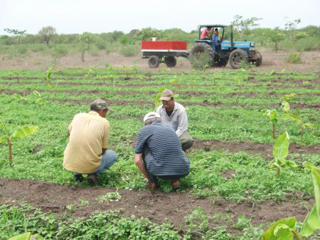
(201, 55)
(154, 61)
(259, 59)
(170, 61)
(236, 57)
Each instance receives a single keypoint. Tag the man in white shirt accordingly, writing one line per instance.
(174, 114)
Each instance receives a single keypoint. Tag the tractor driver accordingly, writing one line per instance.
(206, 33)
(215, 37)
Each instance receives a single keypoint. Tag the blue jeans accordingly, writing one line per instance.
(108, 159)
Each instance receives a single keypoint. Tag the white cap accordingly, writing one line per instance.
(151, 115)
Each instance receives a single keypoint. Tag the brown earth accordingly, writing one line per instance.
(157, 206)
(36, 61)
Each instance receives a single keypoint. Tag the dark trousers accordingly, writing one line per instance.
(153, 178)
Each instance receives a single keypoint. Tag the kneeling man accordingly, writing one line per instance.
(158, 152)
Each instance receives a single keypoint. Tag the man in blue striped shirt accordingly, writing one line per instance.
(158, 152)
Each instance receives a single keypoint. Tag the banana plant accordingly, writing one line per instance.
(286, 228)
(298, 120)
(280, 153)
(312, 221)
(26, 236)
(19, 133)
(157, 101)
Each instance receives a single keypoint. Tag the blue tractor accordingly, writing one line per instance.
(217, 43)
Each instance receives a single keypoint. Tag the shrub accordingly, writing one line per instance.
(94, 51)
(129, 51)
(200, 61)
(294, 57)
(38, 48)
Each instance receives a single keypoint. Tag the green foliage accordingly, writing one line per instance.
(294, 57)
(276, 36)
(111, 196)
(129, 51)
(25, 236)
(46, 34)
(200, 61)
(284, 229)
(157, 101)
(242, 25)
(312, 221)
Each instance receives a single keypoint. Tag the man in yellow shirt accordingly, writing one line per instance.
(86, 152)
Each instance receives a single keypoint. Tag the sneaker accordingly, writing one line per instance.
(78, 177)
(93, 180)
(175, 183)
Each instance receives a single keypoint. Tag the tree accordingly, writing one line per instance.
(46, 33)
(276, 36)
(242, 25)
(85, 40)
(16, 33)
(291, 30)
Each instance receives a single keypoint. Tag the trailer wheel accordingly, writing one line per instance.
(236, 57)
(154, 61)
(170, 61)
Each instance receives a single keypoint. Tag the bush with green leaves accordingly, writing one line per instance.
(294, 57)
(130, 51)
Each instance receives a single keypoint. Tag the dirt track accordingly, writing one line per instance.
(35, 61)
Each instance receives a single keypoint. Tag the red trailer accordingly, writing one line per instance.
(163, 52)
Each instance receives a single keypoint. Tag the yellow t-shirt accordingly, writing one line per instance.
(89, 133)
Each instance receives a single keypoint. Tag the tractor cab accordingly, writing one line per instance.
(215, 36)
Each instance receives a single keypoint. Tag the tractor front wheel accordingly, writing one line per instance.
(236, 57)
(154, 61)
(170, 61)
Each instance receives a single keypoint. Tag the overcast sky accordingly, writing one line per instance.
(97, 16)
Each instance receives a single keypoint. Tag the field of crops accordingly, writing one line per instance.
(232, 192)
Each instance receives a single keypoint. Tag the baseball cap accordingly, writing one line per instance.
(166, 95)
(100, 104)
(151, 115)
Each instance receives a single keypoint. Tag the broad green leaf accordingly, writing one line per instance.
(311, 223)
(279, 228)
(290, 164)
(273, 115)
(292, 117)
(283, 232)
(24, 132)
(24, 236)
(281, 146)
(3, 139)
(285, 106)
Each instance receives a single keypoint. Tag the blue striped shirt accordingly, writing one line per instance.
(165, 156)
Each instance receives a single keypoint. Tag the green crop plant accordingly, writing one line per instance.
(157, 101)
(280, 153)
(20, 133)
(286, 228)
(298, 120)
(111, 196)
(48, 77)
(25, 236)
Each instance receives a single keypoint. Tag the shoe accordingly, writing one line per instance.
(78, 177)
(175, 183)
(93, 180)
(152, 186)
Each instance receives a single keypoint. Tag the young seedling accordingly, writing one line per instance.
(19, 133)
(280, 153)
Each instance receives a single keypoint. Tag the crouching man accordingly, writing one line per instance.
(158, 153)
(86, 152)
